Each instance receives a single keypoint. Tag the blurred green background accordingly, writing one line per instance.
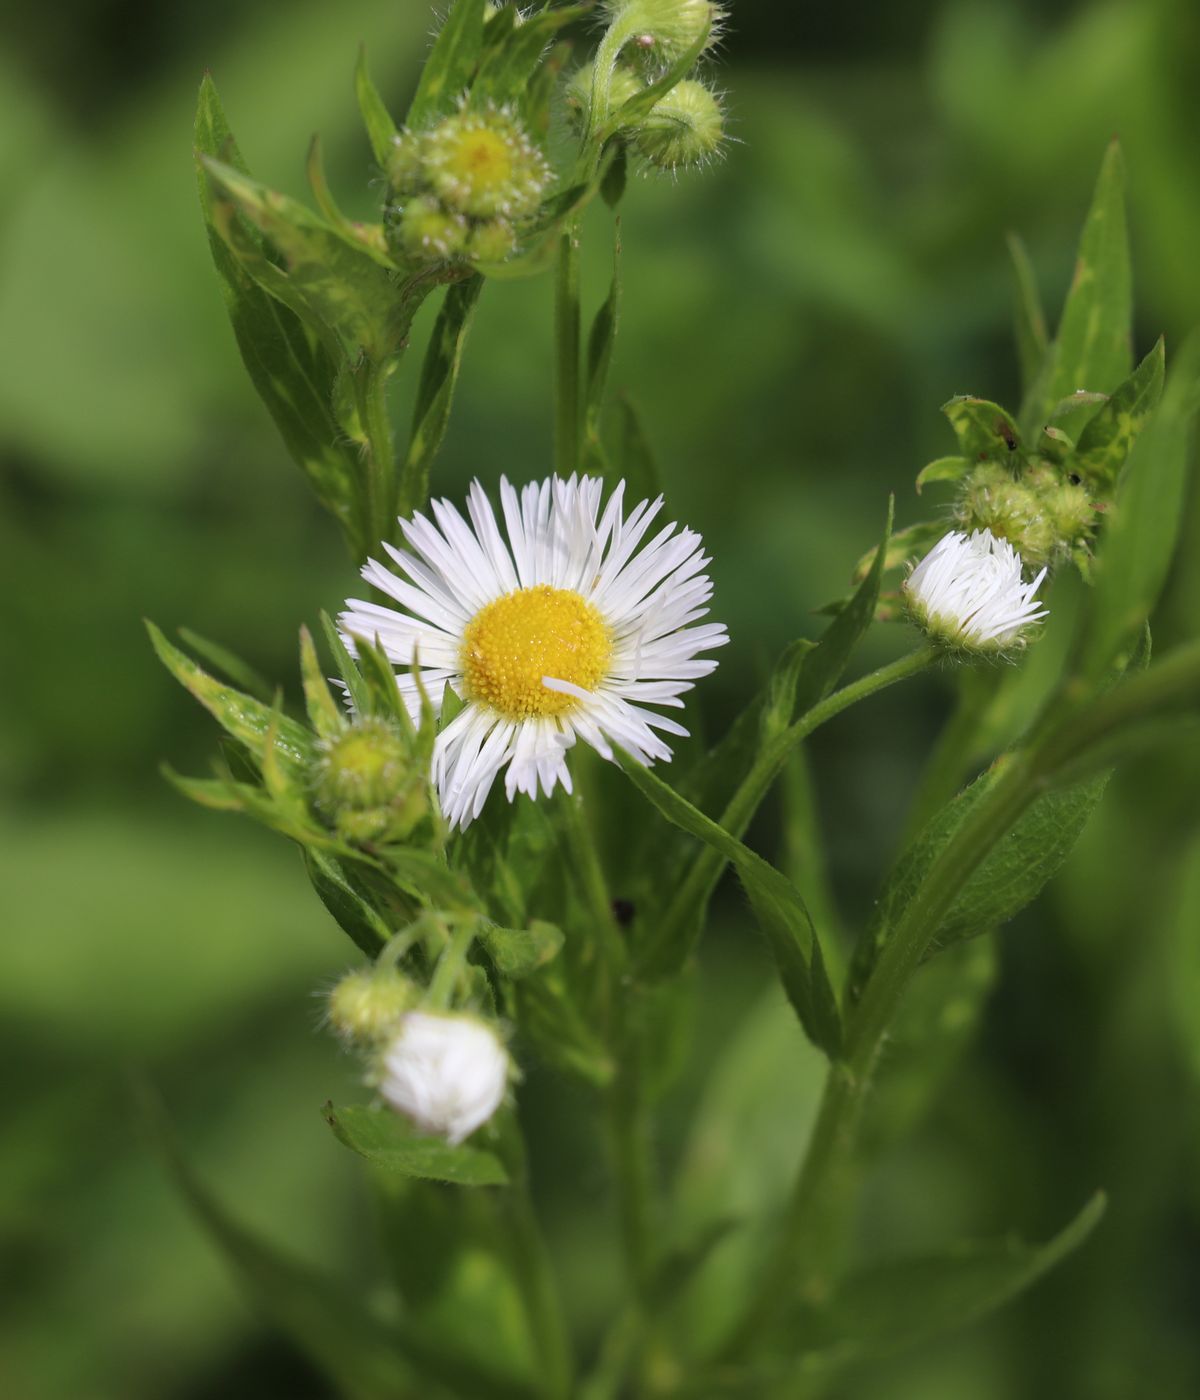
(792, 322)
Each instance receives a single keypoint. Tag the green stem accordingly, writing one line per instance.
(802, 1251)
(697, 887)
(592, 884)
(450, 964)
(568, 340)
(370, 383)
(951, 757)
(633, 1178)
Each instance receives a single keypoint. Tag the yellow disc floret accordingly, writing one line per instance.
(483, 164)
(510, 645)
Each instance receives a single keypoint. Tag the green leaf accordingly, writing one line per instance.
(518, 952)
(512, 57)
(985, 431)
(1140, 536)
(451, 64)
(1093, 347)
(600, 344)
(1033, 340)
(822, 667)
(335, 282)
(632, 111)
(777, 905)
(293, 373)
(356, 687)
(435, 392)
(890, 1307)
(910, 543)
(1010, 876)
(1106, 441)
(230, 665)
(247, 719)
(943, 469)
(549, 1017)
(325, 715)
(381, 129)
(354, 914)
(387, 1140)
(334, 1328)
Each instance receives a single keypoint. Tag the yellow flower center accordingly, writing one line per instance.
(481, 160)
(512, 643)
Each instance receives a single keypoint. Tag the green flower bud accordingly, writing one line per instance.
(423, 231)
(405, 165)
(624, 85)
(1066, 503)
(367, 784)
(662, 31)
(491, 242)
(993, 499)
(483, 164)
(684, 128)
(367, 1006)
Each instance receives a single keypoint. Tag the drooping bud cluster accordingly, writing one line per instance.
(623, 85)
(367, 783)
(968, 594)
(660, 32)
(447, 1073)
(461, 189)
(685, 128)
(1043, 514)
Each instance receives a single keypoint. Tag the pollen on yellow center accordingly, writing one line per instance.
(481, 159)
(512, 643)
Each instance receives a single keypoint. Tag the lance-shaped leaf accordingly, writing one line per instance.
(451, 64)
(293, 372)
(354, 913)
(943, 469)
(1093, 347)
(381, 129)
(777, 905)
(388, 1141)
(435, 392)
(513, 53)
(911, 543)
(248, 720)
(339, 284)
(240, 672)
(1029, 320)
(336, 1329)
(889, 1307)
(327, 718)
(1139, 540)
(1106, 441)
(601, 338)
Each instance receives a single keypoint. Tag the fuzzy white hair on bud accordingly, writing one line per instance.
(448, 1074)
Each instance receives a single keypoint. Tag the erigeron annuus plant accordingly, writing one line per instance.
(440, 776)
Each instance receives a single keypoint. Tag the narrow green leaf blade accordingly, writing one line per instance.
(230, 665)
(381, 129)
(1106, 441)
(388, 1141)
(354, 914)
(451, 63)
(1029, 320)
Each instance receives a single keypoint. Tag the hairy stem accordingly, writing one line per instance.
(567, 337)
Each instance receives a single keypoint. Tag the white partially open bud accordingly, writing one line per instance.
(446, 1073)
(968, 593)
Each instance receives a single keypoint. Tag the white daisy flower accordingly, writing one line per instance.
(968, 592)
(448, 1074)
(565, 630)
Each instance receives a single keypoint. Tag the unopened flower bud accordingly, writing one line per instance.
(425, 232)
(368, 1005)
(686, 127)
(967, 594)
(1041, 513)
(448, 1074)
(404, 165)
(1066, 504)
(367, 783)
(483, 164)
(491, 241)
(623, 85)
(662, 31)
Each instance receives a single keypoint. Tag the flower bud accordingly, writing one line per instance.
(405, 165)
(367, 1005)
(368, 785)
(425, 232)
(684, 128)
(491, 242)
(623, 85)
(662, 31)
(967, 594)
(1040, 513)
(483, 164)
(448, 1074)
